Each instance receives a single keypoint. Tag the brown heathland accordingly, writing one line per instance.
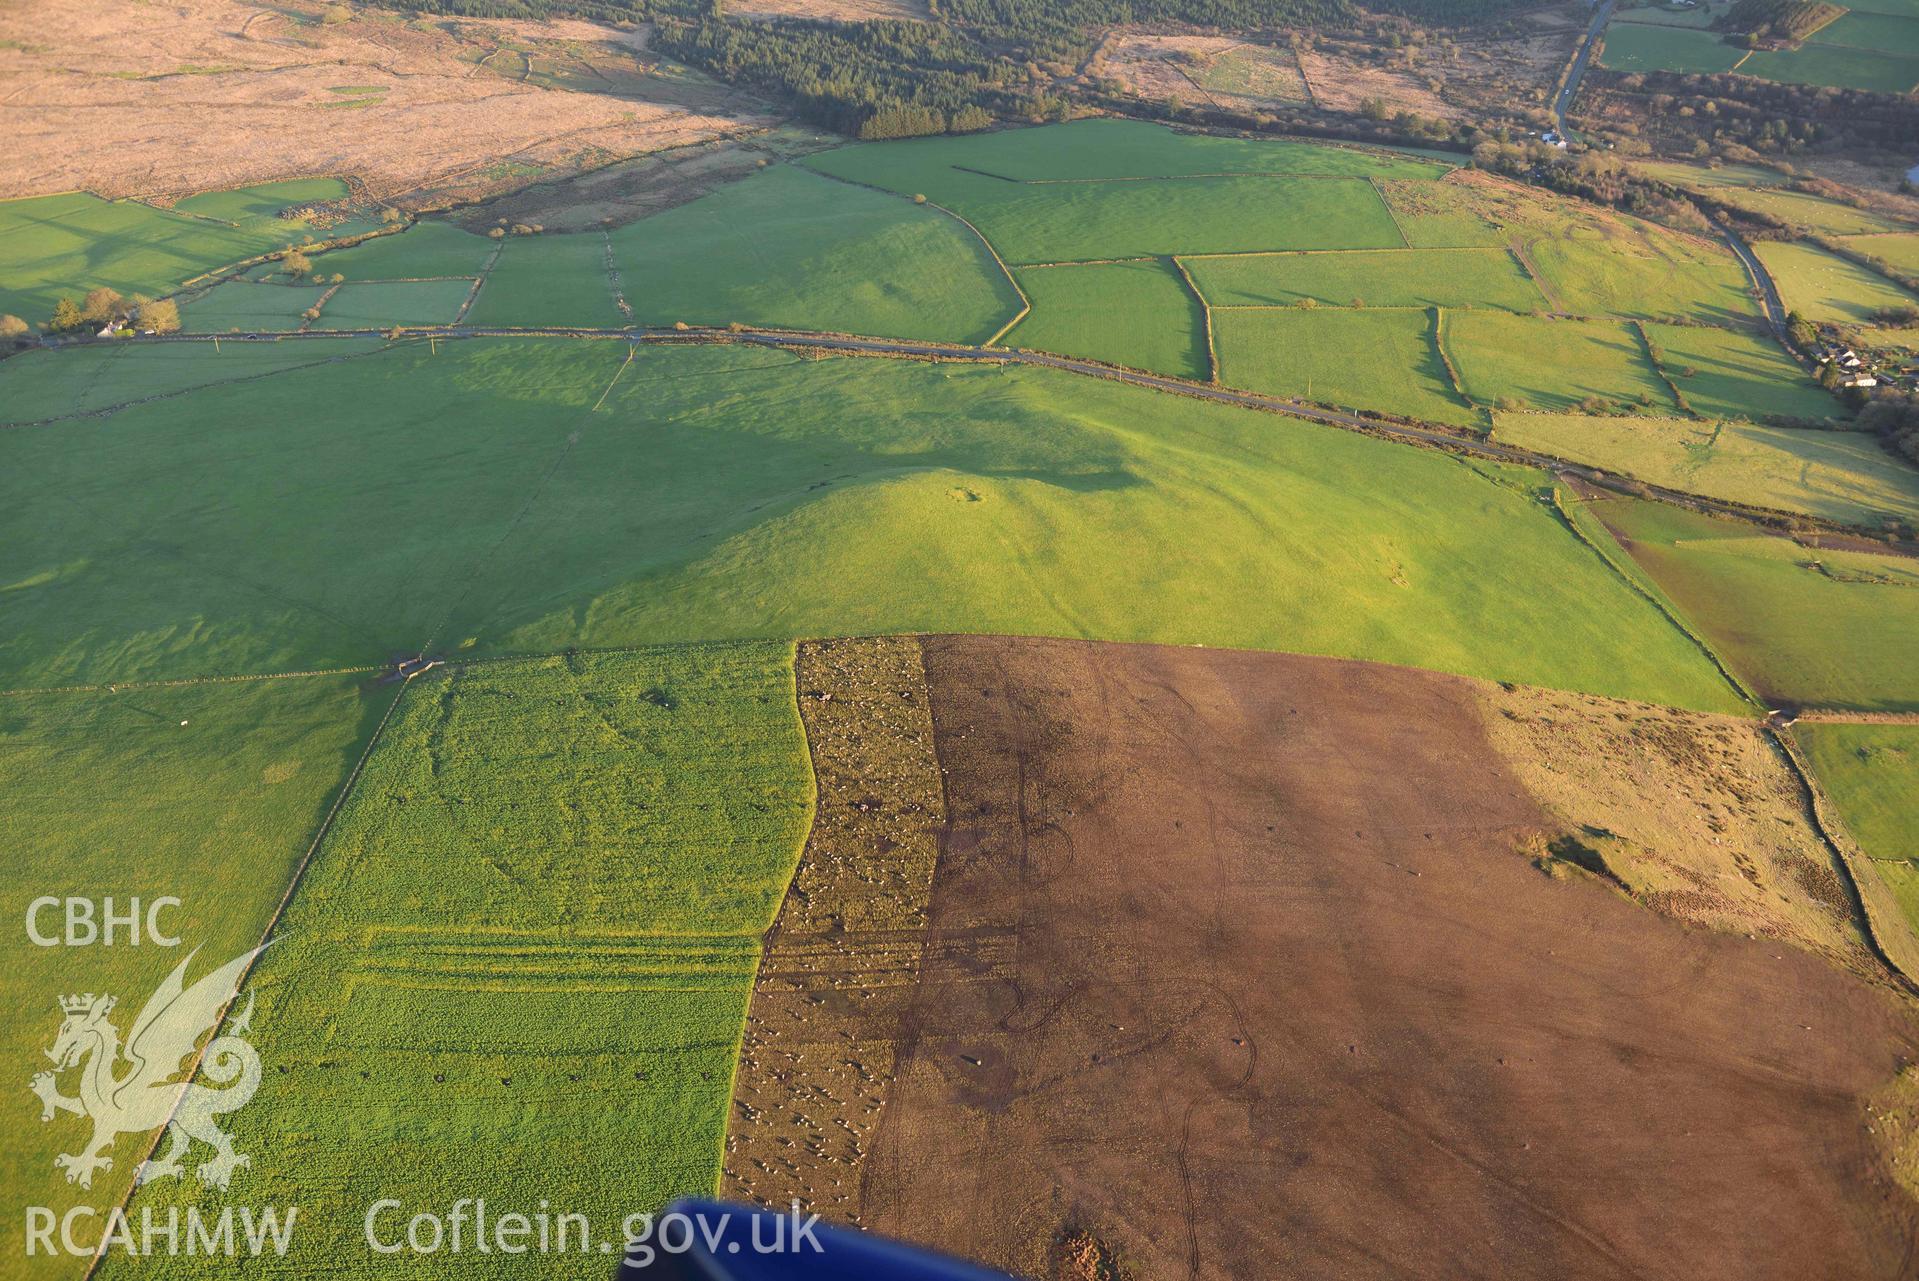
(1234, 966)
(165, 101)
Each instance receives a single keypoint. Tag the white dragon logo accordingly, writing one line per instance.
(151, 1091)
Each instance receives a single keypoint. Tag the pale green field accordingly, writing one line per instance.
(1813, 213)
(1899, 251)
(1049, 195)
(249, 307)
(62, 246)
(1137, 314)
(1377, 278)
(1813, 627)
(1841, 67)
(1608, 265)
(1842, 476)
(424, 249)
(1589, 261)
(1525, 362)
(1368, 359)
(1871, 773)
(1646, 47)
(789, 248)
(1097, 149)
(382, 304)
(1711, 176)
(1826, 287)
(1739, 373)
(549, 280)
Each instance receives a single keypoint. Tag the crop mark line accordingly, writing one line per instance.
(107, 410)
(512, 526)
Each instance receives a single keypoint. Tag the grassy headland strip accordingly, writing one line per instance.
(1205, 316)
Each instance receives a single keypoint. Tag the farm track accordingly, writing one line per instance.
(1763, 281)
(1430, 436)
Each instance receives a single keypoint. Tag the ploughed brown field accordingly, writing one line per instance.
(1240, 965)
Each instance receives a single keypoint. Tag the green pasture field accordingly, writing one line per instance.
(1739, 373)
(1817, 628)
(209, 793)
(1883, 32)
(1842, 476)
(1825, 287)
(1085, 221)
(257, 208)
(1646, 47)
(62, 246)
(792, 249)
(1094, 149)
(1378, 278)
(1711, 176)
(1871, 772)
(1819, 63)
(1366, 359)
(1812, 213)
(549, 280)
(1589, 261)
(1659, 15)
(381, 304)
(527, 944)
(553, 493)
(1606, 264)
(1441, 215)
(1068, 193)
(1137, 314)
(1899, 251)
(40, 385)
(1552, 365)
(248, 306)
(425, 249)
(309, 519)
